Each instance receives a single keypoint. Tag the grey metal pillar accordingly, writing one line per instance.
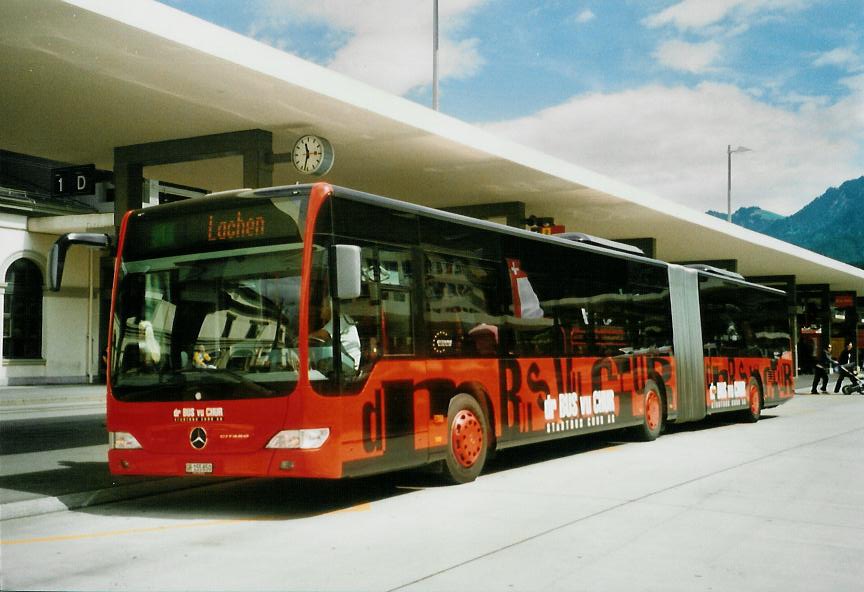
(128, 188)
(255, 146)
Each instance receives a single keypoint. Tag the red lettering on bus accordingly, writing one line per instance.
(236, 227)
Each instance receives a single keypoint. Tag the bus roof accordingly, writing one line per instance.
(604, 246)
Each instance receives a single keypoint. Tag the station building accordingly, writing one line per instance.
(111, 106)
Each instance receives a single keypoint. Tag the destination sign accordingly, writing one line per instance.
(223, 229)
(190, 226)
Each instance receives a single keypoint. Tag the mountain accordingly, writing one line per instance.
(832, 224)
(754, 218)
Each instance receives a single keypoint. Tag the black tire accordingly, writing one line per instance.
(847, 390)
(654, 416)
(467, 439)
(754, 402)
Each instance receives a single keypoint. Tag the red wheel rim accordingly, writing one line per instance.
(466, 438)
(652, 410)
(754, 399)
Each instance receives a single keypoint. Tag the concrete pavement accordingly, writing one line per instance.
(53, 450)
(29, 402)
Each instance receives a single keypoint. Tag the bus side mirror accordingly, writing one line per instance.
(348, 272)
(57, 256)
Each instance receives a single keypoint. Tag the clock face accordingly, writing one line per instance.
(312, 155)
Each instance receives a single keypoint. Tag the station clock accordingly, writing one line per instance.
(312, 155)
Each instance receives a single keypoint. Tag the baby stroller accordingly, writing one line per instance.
(857, 386)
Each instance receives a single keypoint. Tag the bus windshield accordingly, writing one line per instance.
(206, 324)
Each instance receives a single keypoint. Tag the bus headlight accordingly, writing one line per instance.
(122, 441)
(303, 439)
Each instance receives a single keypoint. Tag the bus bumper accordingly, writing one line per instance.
(266, 463)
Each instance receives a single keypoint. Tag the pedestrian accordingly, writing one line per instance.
(822, 368)
(845, 358)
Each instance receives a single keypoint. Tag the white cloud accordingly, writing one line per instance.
(710, 19)
(854, 84)
(388, 43)
(844, 57)
(854, 104)
(693, 14)
(585, 16)
(805, 102)
(699, 14)
(695, 58)
(672, 141)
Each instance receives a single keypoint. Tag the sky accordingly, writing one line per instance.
(648, 92)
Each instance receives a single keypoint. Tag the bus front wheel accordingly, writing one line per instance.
(467, 439)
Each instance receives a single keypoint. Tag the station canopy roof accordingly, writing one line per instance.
(80, 77)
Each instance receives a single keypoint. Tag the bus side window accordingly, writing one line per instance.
(382, 312)
(396, 282)
(364, 313)
(462, 313)
(397, 334)
(722, 321)
(531, 328)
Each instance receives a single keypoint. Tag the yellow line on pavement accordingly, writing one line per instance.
(613, 448)
(110, 533)
(358, 508)
(129, 531)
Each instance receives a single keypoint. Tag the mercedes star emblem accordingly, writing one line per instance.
(198, 438)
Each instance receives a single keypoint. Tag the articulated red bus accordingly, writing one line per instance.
(316, 331)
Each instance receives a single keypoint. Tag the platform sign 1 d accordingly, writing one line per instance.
(74, 180)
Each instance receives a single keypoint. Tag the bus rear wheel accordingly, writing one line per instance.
(754, 401)
(652, 421)
(467, 439)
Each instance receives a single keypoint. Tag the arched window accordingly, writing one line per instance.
(22, 311)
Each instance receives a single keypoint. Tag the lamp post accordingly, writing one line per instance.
(729, 152)
(435, 55)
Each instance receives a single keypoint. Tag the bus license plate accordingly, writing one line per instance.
(199, 468)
